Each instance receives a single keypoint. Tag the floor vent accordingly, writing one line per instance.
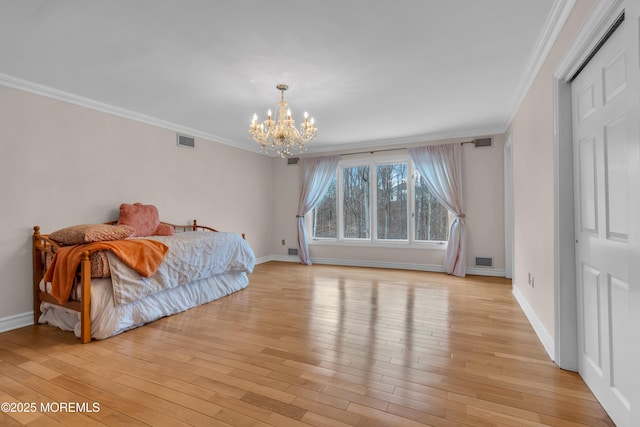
(185, 141)
(292, 161)
(293, 251)
(485, 262)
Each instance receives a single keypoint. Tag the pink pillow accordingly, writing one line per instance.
(144, 219)
(164, 230)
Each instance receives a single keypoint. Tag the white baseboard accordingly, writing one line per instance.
(543, 334)
(482, 271)
(16, 321)
(264, 259)
(377, 264)
(381, 264)
(284, 258)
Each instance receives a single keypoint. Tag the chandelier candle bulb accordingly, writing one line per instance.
(281, 136)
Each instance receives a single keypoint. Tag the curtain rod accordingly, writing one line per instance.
(373, 151)
(393, 149)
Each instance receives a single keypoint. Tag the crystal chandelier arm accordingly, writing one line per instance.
(280, 135)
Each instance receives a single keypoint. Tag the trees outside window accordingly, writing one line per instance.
(355, 202)
(379, 202)
(431, 218)
(325, 215)
(392, 201)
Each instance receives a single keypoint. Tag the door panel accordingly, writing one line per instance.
(615, 139)
(619, 321)
(591, 316)
(601, 177)
(588, 191)
(614, 77)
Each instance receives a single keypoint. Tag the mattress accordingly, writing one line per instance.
(109, 319)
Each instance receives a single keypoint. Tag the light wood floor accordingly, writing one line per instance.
(320, 345)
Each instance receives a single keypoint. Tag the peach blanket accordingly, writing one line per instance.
(141, 255)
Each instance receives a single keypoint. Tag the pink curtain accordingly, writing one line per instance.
(316, 174)
(441, 167)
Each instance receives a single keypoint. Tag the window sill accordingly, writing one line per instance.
(379, 244)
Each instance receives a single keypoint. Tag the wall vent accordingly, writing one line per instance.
(292, 161)
(293, 251)
(483, 142)
(485, 262)
(185, 141)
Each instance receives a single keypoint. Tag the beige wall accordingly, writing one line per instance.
(532, 132)
(62, 164)
(483, 191)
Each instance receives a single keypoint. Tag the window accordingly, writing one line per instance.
(325, 215)
(355, 202)
(392, 201)
(432, 219)
(379, 201)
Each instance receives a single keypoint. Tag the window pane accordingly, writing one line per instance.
(355, 184)
(325, 224)
(432, 219)
(392, 201)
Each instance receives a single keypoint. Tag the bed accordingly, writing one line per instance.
(200, 264)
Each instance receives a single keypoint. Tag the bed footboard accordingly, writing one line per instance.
(43, 250)
(195, 227)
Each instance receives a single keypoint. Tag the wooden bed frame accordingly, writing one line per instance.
(43, 246)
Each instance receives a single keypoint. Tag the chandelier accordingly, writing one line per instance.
(281, 136)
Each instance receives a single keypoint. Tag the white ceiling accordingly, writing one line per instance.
(370, 72)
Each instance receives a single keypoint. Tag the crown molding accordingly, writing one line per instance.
(602, 16)
(407, 140)
(49, 92)
(552, 27)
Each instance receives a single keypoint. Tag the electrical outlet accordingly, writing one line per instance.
(282, 242)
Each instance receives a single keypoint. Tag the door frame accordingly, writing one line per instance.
(602, 17)
(508, 208)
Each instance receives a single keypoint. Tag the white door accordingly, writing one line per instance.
(601, 175)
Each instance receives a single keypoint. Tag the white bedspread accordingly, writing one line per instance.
(192, 256)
